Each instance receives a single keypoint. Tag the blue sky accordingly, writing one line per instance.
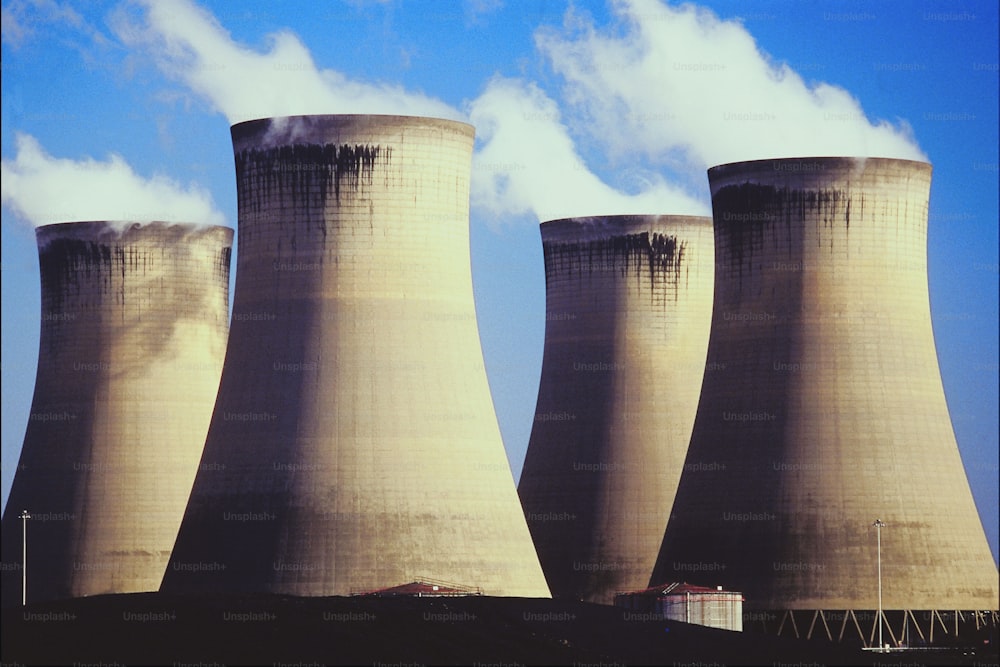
(580, 108)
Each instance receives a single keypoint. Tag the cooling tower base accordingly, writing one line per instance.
(902, 629)
(203, 629)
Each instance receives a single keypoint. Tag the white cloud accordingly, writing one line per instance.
(675, 88)
(679, 84)
(42, 189)
(527, 163)
(477, 10)
(20, 18)
(12, 27)
(190, 46)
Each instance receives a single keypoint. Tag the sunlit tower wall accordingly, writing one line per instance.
(354, 443)
(133, 335)
(826, 411)
(628, 309)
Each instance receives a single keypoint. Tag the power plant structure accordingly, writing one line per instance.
(628, 310)
(679, 601)
(354, 444)
(823, 479)
(133, 334)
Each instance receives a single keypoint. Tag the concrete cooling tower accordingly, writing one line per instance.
(134, 325)
(629, 304)
(826, 410)
(354, 444)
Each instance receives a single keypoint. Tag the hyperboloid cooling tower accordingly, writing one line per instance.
(354, 444)
(629, 304)
(826, 410)
(134, 325)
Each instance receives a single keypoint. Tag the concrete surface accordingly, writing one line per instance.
(134, 326)
(825, 410)
(628, 309)
(354, 443)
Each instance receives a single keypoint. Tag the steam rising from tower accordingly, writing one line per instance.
(354, 444)
(134, 325)
(628, 303)
(828, 411)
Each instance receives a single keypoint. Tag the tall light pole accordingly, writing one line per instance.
(878, 532)
(24, 516)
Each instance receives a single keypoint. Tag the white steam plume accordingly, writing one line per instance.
(42, 189)
(189, 45)
(528, 163)
(714, 96)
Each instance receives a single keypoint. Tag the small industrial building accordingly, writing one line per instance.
(424, 589)
(677, 601)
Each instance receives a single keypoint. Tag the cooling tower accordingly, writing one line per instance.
(629, 304)
(133, 334)
(826, 410)
(354, 444)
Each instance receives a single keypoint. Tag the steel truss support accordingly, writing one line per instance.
(901, 627)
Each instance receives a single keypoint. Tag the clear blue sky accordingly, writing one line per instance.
(608, 107)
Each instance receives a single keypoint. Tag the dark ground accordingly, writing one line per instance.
(150, 628)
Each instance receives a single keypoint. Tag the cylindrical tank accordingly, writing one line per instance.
(134, 325)
(354, 444)
(628, 309)
(826, 411)
(715, 608)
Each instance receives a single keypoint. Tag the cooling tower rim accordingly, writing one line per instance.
(615, 217)
(826, 159)
(353, 116)
(271, 131)
(822, 163)
(580, 228)
(811, 171)
(106, 230)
